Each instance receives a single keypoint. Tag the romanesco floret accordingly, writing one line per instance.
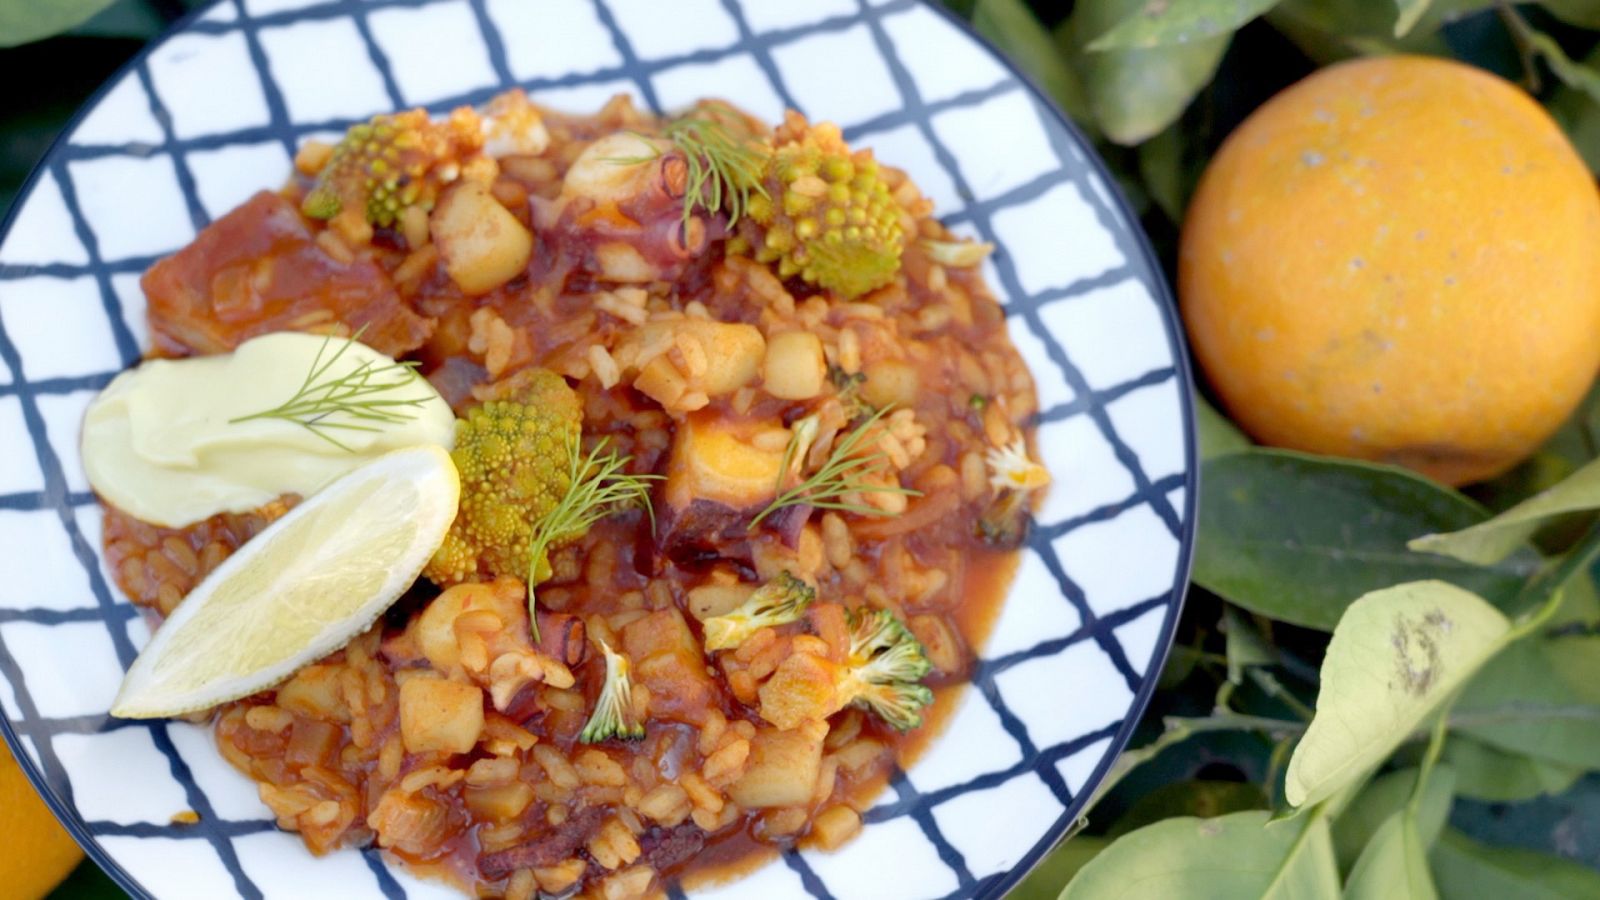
(778, 602)
(885, 668)
(613, 709)
(394, 161)
(827, 216)
(514, 459)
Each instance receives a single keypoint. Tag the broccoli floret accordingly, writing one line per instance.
(827, 216)
(394, 161)
(778, 602)
(613, 709)
(884, 671)
(514, 459)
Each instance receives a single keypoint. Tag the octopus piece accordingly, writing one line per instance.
(260, 269)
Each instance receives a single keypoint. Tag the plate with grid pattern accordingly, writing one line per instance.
(214, 111)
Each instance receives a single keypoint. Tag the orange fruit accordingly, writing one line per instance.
(1397, 259)
(39, 852)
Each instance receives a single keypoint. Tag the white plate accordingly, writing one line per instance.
(214, 110)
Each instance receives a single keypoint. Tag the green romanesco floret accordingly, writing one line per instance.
(613, 709)
(515, 469)
(384, 165)
(827, 216)
(778, 602)
(885, 668)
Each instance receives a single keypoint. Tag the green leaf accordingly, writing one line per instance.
(1573, 74)
(1244, 645)
(1394, 866)
(1541, 698)
(1396, 656)
(1297, 537)
(1046, 880)
(1378, 802)
(1200, 799)
(1333, 30)
(1015, 30)
(1464, 869)
(22, 21)
(1579, 115)
(1217, 434)
(1582, 13)
(1411, 12)
(1489, 542)
(1225, 858)
(1161, 167)
(1493, 775)
(1134, 94)
(1162, 22)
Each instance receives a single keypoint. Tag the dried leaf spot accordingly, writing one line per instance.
(1416, 650)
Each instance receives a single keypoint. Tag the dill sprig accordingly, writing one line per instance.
(597, 487)
(360, 396)
(724, 169)
(844, 473)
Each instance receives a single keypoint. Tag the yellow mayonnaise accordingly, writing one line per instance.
(162, 441)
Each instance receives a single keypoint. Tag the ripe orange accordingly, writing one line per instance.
(1397, 259)
(39, 852)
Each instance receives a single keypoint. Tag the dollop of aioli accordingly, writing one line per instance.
(162, 443)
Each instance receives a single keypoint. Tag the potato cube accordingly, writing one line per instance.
(315, 692)
(711, 460)
(782, 770)
(800, 690)
(500, 802)
(482, 244)
(795, 368)
(709, 600)
(440, 715)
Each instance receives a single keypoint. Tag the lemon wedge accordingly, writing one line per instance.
(299, 590)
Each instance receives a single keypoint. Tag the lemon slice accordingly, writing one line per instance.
(302, 588)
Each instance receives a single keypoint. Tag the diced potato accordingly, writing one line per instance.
(726, 355)
(802, 689)
(663, 631)
(890, 382)
(795, 367)
(712, 461)
(709, 600)
(482, 244)
(623, 263)
(597, 175)
(436, 714)
(782, 769)
(835, 825)
(500, 802)
(315, 692)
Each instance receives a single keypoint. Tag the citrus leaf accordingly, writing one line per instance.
(1395, 657)
(1200, 799)
(1464, 869)
(1161, 167)
(1356, 826)
(1333, 30)
(1231, 856)
(1579, 116)
(1135, 93)
(1573, 74)
(1541, 698)
(1161, 22)
(1582, 13)
(1015, 30)
(1297, 537)
(1217, 434)
(22, 21)
(1058, 868)
(1410, 12)
(1489, 542)
(1487, 773)
(1394, 866)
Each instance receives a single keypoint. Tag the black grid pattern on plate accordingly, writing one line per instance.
(117, 616)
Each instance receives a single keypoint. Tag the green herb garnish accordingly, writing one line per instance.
(843, 474)
(597, 487)
(724, 169)
(361, 395)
